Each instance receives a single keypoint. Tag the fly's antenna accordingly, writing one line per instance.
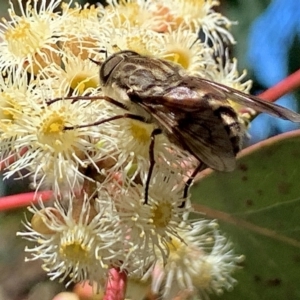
(104, 51)
(97, 62)
(193, 43)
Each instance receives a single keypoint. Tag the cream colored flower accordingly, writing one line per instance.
(201, 262)
(87, 28)
(138, 13)
(183, 47)
(198, 15)
(30, 40)
(148, 226)
(75, 75)
(225, 71)
(40, 129)
(77, 240)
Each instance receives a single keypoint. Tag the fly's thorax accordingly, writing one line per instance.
(149, 77)
(120, 94)
(142, 76)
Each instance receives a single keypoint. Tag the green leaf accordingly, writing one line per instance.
(258, 207)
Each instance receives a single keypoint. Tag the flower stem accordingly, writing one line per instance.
(22, 200)
(116, 285)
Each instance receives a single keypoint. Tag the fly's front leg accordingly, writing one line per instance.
(124, 116)
(89, 98)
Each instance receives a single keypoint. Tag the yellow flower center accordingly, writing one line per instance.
(162, 214)
(84, 13)
(75, 251)
(131, 12)
(54, 125)
(81, 83)
(140, 131)
(53, 135)
(178, 56)
(136, 44)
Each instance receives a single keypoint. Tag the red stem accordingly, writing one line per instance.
(282, 88)
(22, 200)
(116, 285)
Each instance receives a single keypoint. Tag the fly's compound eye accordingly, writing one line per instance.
(109, 66)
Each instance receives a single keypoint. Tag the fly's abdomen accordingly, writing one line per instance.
(233, 126)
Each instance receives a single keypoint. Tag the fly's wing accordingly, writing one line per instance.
(206, 89)
(253, 102)
(196, 115)
(200, 130)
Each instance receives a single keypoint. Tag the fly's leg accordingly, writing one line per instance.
(188, 183)
(154, 133)
(90, 98)
(124, 116)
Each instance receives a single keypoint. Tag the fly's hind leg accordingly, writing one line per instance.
(189, 182)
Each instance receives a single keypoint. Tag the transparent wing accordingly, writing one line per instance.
(196, 115)
(253, 102)
(190, 92)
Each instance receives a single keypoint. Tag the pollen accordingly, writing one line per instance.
(162, 214)
(178, 250)
(175, 245)
(52, 134)
(54, 125)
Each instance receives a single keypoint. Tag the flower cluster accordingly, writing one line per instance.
(107, 211)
